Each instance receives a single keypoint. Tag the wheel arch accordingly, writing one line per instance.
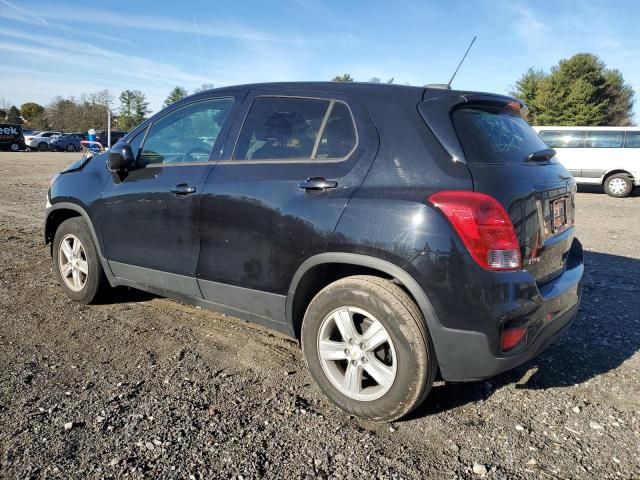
(62, 211)
(616, 171)
(305, 283)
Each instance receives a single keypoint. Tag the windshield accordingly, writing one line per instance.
(495, 135)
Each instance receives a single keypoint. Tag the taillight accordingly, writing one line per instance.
(483, 225)
(512, 337)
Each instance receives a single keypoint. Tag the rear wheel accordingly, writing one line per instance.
(14, 147)
(619, 185)
(367, 348)
(76, 263)
(71, 148)
(43, 147)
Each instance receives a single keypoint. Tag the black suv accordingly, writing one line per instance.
(397, 232)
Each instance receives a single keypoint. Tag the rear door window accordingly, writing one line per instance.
(563, 138)
(281, 128)
(603, 139)
(495, 136)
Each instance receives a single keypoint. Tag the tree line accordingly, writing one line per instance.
(89, 110)
(580, 90)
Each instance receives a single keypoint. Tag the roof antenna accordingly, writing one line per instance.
(460, 64)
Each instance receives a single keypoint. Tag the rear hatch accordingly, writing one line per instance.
(536, 190)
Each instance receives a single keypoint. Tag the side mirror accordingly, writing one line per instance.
(120, 157)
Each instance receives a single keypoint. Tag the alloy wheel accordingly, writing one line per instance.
(72, 261)
(357, 354)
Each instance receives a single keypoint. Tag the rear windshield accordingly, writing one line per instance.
(495, 136)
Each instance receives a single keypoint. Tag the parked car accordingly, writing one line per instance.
(11, 137)
(41, 140)
(69, 142)
(29, 135)
(116, 135)
(606, 156)
(396, 231)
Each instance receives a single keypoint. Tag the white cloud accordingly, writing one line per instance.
(51, 14)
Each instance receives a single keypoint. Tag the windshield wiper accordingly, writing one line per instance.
(545, 154)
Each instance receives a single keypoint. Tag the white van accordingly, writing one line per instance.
(607, 156)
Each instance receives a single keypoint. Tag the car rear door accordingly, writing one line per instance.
(293, 161)
(150, 214)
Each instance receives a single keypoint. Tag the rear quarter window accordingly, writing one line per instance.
(495, 136)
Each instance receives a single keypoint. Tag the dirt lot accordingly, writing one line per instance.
(147, 387)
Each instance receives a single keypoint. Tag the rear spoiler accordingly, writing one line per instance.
(437, 105)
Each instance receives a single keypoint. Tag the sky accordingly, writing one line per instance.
(68, 48)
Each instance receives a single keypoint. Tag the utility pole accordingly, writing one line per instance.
(108, 128)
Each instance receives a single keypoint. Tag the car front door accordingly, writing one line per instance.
(150, 214)
(275, 197)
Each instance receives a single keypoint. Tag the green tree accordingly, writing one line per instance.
(31, 111)
(580, 90)
(125, 119)
(176, 94)
(133, 109)
(527, 88)
(342, 78)
(13, 115)
(140, 107)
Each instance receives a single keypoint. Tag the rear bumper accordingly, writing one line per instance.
(470, 322)
(482, 364)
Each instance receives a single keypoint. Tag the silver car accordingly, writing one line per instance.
(41, 140)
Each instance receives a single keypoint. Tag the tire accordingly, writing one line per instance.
(618, 185)
(14, 147)
(71, 148)
(93, 281)
(405, 363)
(43, 147)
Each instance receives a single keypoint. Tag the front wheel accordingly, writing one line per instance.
(367, 348)
(619, 185)
(43, 147)
(76, 263)
(14, 147)
(71, 148)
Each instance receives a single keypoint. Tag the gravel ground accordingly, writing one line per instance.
(144, 387)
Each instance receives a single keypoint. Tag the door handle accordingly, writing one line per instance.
(183, 189)
(317, 183)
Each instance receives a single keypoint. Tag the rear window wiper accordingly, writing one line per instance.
(545, 154)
